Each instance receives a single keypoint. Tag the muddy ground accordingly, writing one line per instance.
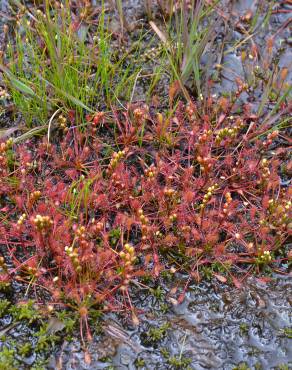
(217, 326)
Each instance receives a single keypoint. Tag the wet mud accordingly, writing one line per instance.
(217, 326)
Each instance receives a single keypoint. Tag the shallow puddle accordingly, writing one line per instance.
(214, 328)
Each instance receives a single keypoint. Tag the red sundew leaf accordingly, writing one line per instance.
(265, 201)
(129, 222)
(19, 200)
(173, 291)
(4, 278)
(72, 173)
(71, 116)
(135, 319)
(264, 230)
(196, 235)
(181, 298)
(147, 259)
(264, 280)
(219, 250)
(252, 213)
(135, 204)
(157, 265)
(280, 151)
(196, 276)
(223, 103)
(252, 165)
(194, 252)
(173, 91)
(87, 358)
(157, 269)
(212, 238)
(139, 273)
(221, 118)
(221, 278)
(189, 196)
(100, 297)
(101, 201)
(253, 117)
(170, 240)
(42, 208)
(70, 153)
(236, 282)
(229, 160)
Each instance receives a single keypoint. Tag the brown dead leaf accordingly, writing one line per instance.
(220, 278)
(87, 357)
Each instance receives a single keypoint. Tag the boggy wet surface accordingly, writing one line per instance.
(215, 327)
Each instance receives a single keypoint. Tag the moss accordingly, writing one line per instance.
(283, 367)
(25, 311)
(25, 349)
(69, 319)
(114, 236)
(45, 340)
(140, 362)
(7, 359)
(243, 327)
(242, 366)
(155, 334)
(158, 293)
(176, 362)
(288, 332)
(4, 305)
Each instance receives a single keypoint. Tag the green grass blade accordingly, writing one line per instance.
(19, 85)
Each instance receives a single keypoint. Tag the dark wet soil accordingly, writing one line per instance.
(216, 327)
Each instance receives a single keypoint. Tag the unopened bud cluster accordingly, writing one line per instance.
(151, 54)
(42, 223)
(205, 136)
(191, 111)
(242, 86)
(21, 219)
(81, 236)
(228, 200)
(35, 195)
(169, 192)
(5, 146)
(144, 221)
(96, 227)
(151, 172)
(116, 157)
(62, 122)
(279, 214)
(3, 94)
(205, 163)
(73, 254)
(230, 132)
(2, 263)
(173, 217)
(208, 195)
(141, 114)
(96, 120)
(116, 181)
(265, 257)
(158, 234)
(270, 138)
(265, 169)
(80, 232)
(128, 255)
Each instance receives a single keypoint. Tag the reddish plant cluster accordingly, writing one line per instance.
(87, 215)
